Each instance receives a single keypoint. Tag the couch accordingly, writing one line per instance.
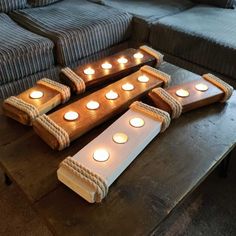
(38, 37)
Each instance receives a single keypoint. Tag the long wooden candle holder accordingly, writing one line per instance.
(67, 124)
(185, 97)
(110, 68)
(94, 168)
(40, 99)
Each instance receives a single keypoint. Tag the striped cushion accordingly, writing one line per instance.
(219, 3)
(24, 54)
(202, 35)
(10, 5)
(19, 86)
(40, 3)
(78, 28)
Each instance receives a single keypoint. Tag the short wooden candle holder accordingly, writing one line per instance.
(94, 168)
(67, 124)
(110, 68)
(40, 99)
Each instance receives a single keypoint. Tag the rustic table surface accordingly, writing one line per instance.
(170, 168)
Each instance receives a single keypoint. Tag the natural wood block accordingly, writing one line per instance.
(89, 119)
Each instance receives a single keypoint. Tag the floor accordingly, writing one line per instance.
(210, 210)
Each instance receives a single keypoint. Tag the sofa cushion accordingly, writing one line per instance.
(40, 3)
(147, 11)
(22, 53)
(203, 35)
(10, 5)
(78, 28)
(219, 3)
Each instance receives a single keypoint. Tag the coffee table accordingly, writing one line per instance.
(165, 173)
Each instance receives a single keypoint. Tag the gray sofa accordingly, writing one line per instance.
(39, 37)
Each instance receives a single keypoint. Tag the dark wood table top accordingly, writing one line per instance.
(170, 168)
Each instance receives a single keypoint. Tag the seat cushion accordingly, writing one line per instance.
(78, 28)
(202, 35)
(40, 3)
(10, 5)
(147, 11)
(22, 53)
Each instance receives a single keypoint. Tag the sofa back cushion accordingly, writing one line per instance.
(219, 3)
(40, 3)
(10, 5)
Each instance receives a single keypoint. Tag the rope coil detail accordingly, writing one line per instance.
(175, 105)
(153, 112)
(159, 57)
(88, 176)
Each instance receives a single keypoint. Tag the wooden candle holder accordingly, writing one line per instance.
(94, 168)
(40, 99)
(78, 81)
(213, 90)
(58, 132)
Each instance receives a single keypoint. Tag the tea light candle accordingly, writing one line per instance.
(122, 60)
(106, 66)
(127, 87)
(182, 93)
(120, 138)
(143, 79)
(36, 94)
(92, 105)
(138, 55)
(137, 122)
(201, 87)
(101, 155)
(111, 95)
(89, 71)
(71, 116)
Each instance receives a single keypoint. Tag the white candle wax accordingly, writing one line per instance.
(36, 94)
(122, 60)
(89, 71)
(201, 87)
(92, 105)
(101, 155)
(111, 95)
(182, 93)
(127, 87)
(143, 79)
(71, 116)
(120, 138)
(138, 55)
(137, 122)
(106, 66)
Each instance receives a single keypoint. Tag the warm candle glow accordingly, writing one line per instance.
(137, 122)
(120, 138)
(127, 87)
(106, 66)
(93, 105)
(182, 93)
(201, 87)
(71, 115)
(36, 94)
(111, 95)
(101, 155)
(122, 60)
(89, 71)
(138, 55)
(143, 79)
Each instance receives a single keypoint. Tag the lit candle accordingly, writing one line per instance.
(127, 87)
(201, 87)
(71, 115)
(137, 122)
(101, 155)
(182, 93)
(89, 71)
(120, 138)
(138, 55)
(106, 66)
(122, 60)
(143, 79)
(36, 94)
(92, 105)
(111, 95)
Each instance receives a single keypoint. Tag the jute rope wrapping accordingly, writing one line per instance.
(18, 103)
(153, 112)
(59, 133)
(175, 105)
(157, 73)
(75, 79)
(88, 176)
(159, 57)
(62, 89)
(227, 89)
